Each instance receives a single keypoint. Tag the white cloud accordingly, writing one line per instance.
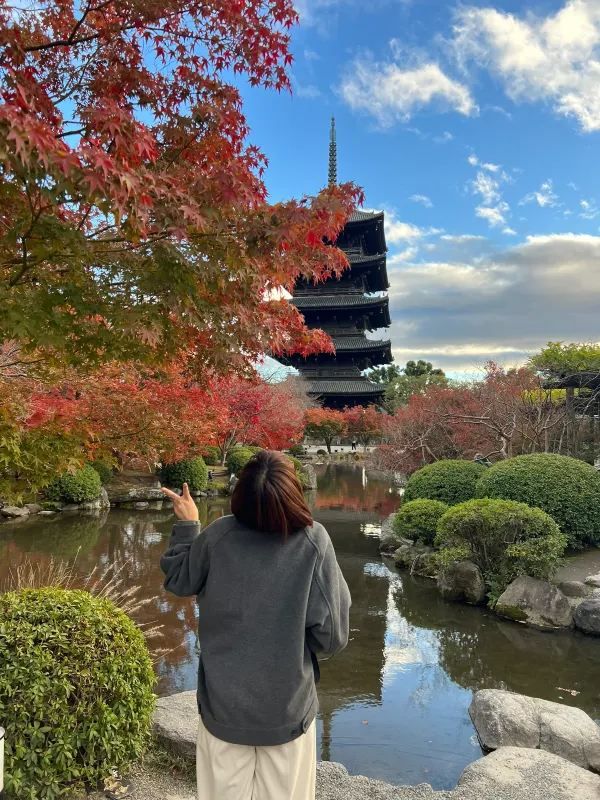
(555, 59)
(307, 91)
(461, 238)
(494, 215)
(390, 92)
(486, 185)
(508, 231)
(544, 196)
(399, 232)
(311, 55)
(504, 304)
(475, 162)
(589, 209)
(422, 199)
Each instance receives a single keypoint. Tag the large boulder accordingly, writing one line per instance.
(462, 581)
(118, 495)
(14, 512)
(536, 603)
(505, 719)
(425, 565)
(587, 616)
(575, 589)
(309, 476)
(514, 773)
(388, 540)
(408, 552)
(175, 723)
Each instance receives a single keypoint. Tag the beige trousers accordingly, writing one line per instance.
(241, 772)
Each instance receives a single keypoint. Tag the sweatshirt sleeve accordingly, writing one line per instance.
(327, 619)
(185, 563)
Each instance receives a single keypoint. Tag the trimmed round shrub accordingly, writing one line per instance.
(504, 538)
(238, 457)
(418, 520)
(564, 487)
(76, 691)
(81, 486)
(297, 450)
(321, 452)
(104, 470)
(212, 456)
(451, 481)
(192, 471)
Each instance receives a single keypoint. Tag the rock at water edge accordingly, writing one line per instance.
(593, 580)
(506, 719)
(575, 589)
(587, 616)
(388, 541)
(175, 723)
(516, 773)
(536, 603)
(13, 512)
(462, 581)
(503, 718)
(309, 476)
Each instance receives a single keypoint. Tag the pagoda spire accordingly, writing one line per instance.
(332, 175)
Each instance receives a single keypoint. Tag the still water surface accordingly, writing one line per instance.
(394, 704)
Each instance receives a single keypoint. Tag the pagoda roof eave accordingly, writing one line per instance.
(348, 388)
(333, 301)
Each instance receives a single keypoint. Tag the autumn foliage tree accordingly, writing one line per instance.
(128, 415)
(325, 425)
(256, 412)
(365, 423)
(134, 216)
(507, 413)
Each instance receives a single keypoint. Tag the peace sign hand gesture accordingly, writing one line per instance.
(183, 505)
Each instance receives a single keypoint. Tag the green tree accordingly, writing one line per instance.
(385, 374)
(416, 369)
(415, 378)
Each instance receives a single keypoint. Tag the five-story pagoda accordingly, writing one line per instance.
(346, 308)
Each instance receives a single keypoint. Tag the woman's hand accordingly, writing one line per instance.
(183, 505)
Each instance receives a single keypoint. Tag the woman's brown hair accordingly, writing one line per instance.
(268, 495)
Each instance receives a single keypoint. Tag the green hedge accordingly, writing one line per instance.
(564, 487)
(238, 457)
(192, 471)
(297, 450)
(212, 456)
(76, 695)
(81, 486)
(451, 481)
(104, 470)
(418, 520)
(504, 538)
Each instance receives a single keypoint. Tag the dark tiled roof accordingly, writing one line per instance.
(360, 216)
(356, 387)
(338, 301)
(359, 343)
(363, 258)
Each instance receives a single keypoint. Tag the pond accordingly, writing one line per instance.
(394, 703)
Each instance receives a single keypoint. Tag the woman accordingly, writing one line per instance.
(271, 597)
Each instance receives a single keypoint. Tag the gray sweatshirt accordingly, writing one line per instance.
(267, 607)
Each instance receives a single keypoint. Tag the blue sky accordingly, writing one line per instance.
(476, 127)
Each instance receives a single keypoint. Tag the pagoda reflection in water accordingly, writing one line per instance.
(346, 308)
